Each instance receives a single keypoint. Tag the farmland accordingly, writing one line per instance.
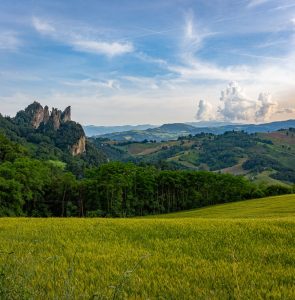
(243, 250)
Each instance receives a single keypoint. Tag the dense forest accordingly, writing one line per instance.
(41, 176)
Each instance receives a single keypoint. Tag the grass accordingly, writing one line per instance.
(270, 207)
(264, 178)
(242, 250)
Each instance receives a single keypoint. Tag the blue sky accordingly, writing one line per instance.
(135, 62)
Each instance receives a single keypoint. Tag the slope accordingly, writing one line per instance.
(269, 207)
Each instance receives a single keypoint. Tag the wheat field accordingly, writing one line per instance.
(242, 250)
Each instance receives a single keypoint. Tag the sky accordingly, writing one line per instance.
(121, 62)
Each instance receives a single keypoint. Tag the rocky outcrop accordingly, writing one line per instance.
(35, 111)
(79, 147)
(55, 118)
(38, 115)
(67, 135)
(46, 115)
(66, 115)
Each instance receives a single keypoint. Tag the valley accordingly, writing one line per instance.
(267, 158)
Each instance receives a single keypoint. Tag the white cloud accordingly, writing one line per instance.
(9, 40)
(194, 35)
(107, 48)
(75, 39)
(267, 107)
(42, 26)
(205, 111)
(236, 105)
(254, 3)
(90, 83)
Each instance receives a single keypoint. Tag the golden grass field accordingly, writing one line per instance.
(243, 250)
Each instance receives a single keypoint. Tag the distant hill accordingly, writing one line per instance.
(266, 157)
(173, 131)
(210, 123)
(92, 130)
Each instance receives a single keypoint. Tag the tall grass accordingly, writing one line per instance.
(178, 258)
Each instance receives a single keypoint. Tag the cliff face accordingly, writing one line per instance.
(55, 118)
(66, 115)
(35, 112)
(79, 147)
(66, 133)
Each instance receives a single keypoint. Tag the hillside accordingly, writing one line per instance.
(232, 251)
(269, 207)
(267, 158)
(173, 131)
(51, 135)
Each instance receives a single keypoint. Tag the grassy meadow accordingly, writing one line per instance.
(243, 250)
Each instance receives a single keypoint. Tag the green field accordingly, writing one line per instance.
(243, 250)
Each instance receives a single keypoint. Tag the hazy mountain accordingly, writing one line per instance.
(210, 123)
(173, 131)
(92, 130)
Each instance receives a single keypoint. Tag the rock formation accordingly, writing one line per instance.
(66, 115)
(55, 118)
(67, 133)
(39, 115)
(36, 112)
(46, 114)
(79, 147)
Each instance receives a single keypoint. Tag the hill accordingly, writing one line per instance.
(269, 207)
(173, 131)
(51, 135)
(92, 130)
(220, 256)
(267, 158)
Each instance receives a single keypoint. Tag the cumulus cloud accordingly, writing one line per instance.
(237, 106)
(267, 107)
(205, 111)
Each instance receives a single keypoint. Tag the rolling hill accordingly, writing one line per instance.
(92, 130)
(267, 158)
(173, 131)
(269, 207)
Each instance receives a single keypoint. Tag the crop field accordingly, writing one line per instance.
(242, 250)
